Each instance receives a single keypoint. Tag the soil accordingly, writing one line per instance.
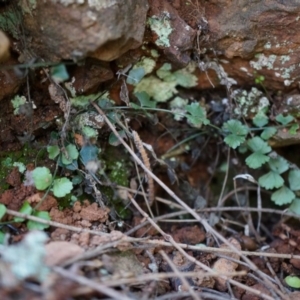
(103, 240)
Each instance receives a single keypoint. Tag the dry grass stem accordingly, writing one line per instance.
(145, 159)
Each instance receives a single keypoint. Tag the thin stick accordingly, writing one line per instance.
(55, 224)
(145, 159)
(203, 221)
(225, 179)
(159, 276)
(192, 259)
(99, 287)
(180, 275)
(222, 250)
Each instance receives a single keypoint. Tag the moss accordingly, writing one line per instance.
(8, 160)
(118, 173)
(10, 22)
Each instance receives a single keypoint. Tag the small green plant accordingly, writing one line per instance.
(196, 115)
(43, 179)
(259, 148)
(292, 281)
(237, 133)
(236, 136)
(32, 225)
(28, 210)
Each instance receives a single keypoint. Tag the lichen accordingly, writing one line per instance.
(95, 4)
(263, 61)
(177, 106)
(163, 87)
(249, 103)
(269, 62)
(162, 27)
(267, 45)
(154, 53)
(156, 88)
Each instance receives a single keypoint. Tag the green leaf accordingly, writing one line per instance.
(292, 281)
(256, 160)
(53, 151)
(256, 144)
(20, 166)
(62, 187)
(259, 79)
(185, 79)
(77, 179)
(32, 225)
(113, 139)
(135, 75)
(84, 100)
(260, 119)
(284, 120)
(271, 180)
(72, 166)
(235, 127)
(89, 153)
(134, 106)
(268, 133)
(25, 209)
(144, 99)
(295, 206)
(72, 154)
(89, 132)
(105, 103)
(294, 180)
(59, 73)
(283, 196)
(278, 164)
(2, 237)
(293, 129)
(243, 148)
(2, 210)
(237, 135)
(234, 141)
(113, 117)
(18, 102)
(42, 178)
(196, 115)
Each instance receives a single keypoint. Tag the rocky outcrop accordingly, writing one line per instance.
(248, 39)
(74, 29)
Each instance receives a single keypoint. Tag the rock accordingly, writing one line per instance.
(256, 39)
(223, 265)
(9, 80)
(89, 76)
(4, 46)
(232, 41)
(74, 29)
(170, 32)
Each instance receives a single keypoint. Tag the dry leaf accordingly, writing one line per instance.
(223, 265)
(60, 251)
